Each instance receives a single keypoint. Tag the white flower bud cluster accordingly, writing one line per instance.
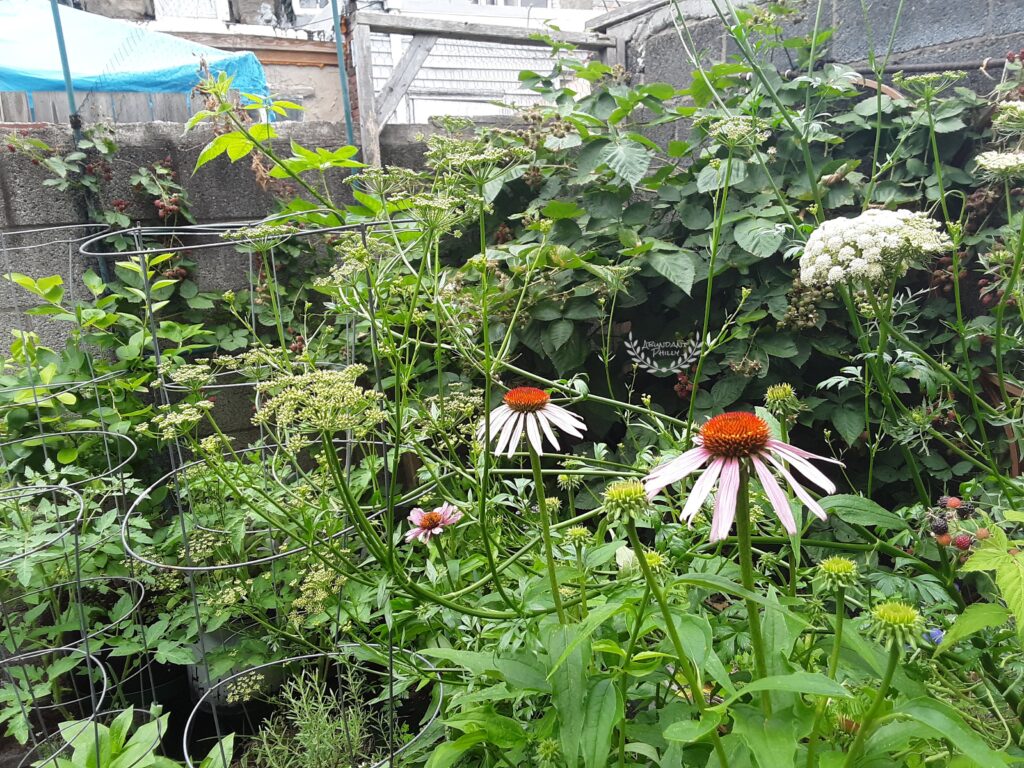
(1001, 165)
(871, 248)
(1009, 117)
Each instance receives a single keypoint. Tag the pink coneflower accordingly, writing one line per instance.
(725, 441)
(530, 409)
(428, 524)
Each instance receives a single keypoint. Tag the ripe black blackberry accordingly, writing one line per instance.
(966, 510)
(939, 526)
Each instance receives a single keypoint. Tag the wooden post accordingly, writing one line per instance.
(402, 75)
(369, 127)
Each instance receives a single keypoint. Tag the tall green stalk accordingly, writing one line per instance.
(545, 532)
(685, 665)
(743, 528)
(876, 706)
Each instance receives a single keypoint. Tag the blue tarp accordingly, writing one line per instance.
(108, 55)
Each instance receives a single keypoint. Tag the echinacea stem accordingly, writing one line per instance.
(833, 666)
(876, 706)
(685, 665)
(747, 579)
(545, 532)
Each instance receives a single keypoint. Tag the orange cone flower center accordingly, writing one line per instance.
(735, 435)
(526, 399)
(430, 520)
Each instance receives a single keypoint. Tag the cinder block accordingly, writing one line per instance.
(922, 23)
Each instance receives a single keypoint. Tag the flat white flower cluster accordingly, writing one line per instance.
(871, 248)
(1009, 117)
(1003, 165)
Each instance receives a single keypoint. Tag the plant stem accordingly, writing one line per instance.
(545, 532)
(833, 666)
(687, 668)
(634, 635)
(747, 579)
(876, 706)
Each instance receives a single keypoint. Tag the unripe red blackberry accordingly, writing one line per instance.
(943, 539)
(963, 541)
(982, 533)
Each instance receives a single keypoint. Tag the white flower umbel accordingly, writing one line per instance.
(529, 410)
(1009, 118)
(1001, 165)
(872, 248)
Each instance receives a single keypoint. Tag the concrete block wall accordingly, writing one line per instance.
(40, 227)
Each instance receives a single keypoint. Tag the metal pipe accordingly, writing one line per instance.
(342, 72)
(73, 117)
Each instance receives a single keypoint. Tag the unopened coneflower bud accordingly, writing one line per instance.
(656, 561)
(838, 572)
(569, 482)
(625, 500)
(579, 536)
(895, 621)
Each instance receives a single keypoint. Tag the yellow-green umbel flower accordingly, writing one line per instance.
(625, 500)
(838, 572)
(895, 621)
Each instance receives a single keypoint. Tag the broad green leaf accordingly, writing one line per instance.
(628, 160)
(677, 267)
(570, 649)
(562, 209)
(448, 753)
(603, 711)
(946, 724)
(692, 730)
(771, 741)
(759, 237)
(861, 511)
(221, 753)
(795, 682)
(974, 619)
(595, 619)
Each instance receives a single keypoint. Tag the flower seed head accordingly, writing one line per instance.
(838, 572)
(625, 500)
(895, 621)
(735, 435)
(526, 399)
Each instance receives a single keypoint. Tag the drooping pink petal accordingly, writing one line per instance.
(533, 433)
(411, 534)
(511, 427)
(799, 490)
(775, 495)
(803, 466)
(545, 424)
(773, 443)
(704, 485)
(675, 470)
(725, 500)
